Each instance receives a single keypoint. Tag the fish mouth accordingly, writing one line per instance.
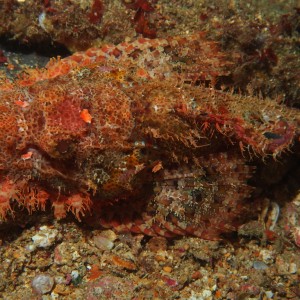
(55, 175)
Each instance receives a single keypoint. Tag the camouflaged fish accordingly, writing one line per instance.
(136, 137)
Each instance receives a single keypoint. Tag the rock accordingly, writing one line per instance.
(42, 284)
(46, 237)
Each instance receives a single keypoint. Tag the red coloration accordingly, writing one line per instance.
(203, 17)
(296, 235)
(31, 198)
(7, 191)
(42, 198)
(27, 155)
(251, 289)
(97, 11)
(59, 209)
(144, 5)
(142, 25)
(85, 116)
(94, 272)
(48, 8)
(22, 104)
(142, 73)
(122, 263)
(141, 18)
(268, 55)
(270, 235)
(47, 3)
(170, 282)
(139, 4)
(78, 204)
(127, 137)
(3, 59)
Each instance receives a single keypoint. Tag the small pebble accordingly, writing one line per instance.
(206, 294)
(76, 278)
(259, 265)
(105, 240)
(42, 283)
(45, 237)
(167, 269)
(156, 244)
(293, 268)
(269, 294)
(103, 243)
(267, 255)
(74, 274)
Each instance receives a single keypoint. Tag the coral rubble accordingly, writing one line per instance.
(138, 136)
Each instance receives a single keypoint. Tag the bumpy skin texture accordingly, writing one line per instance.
(126, 132)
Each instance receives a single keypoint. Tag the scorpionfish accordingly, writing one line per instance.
(136, 137)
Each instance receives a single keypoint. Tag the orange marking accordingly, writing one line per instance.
(22, 104)
(122, 263)
(218, 128)
(205, 126)
(10, 67)
(142, 73)
(27, 155)
(85, 116)
(94, 272)
(157, 167)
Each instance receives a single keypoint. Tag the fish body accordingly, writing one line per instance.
(134, 135)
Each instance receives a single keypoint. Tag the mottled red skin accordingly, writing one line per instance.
(127, 134)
